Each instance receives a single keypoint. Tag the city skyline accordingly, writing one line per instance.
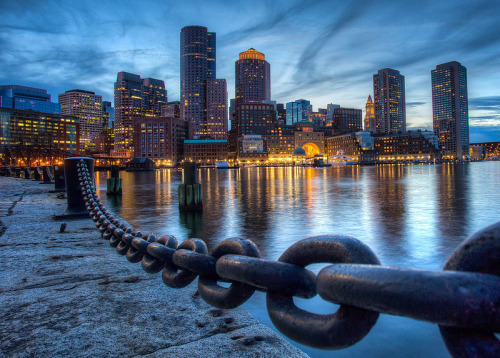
(324, 59)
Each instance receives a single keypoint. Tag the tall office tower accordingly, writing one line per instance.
(134, 98)
(390, 111)
(450, 109)
(216, 113)
(198, 77)
(87, 107)
(253, 77)
(370, 115)
(22, 97)
(298, 111)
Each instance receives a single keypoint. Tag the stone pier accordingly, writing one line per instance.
(70, 294)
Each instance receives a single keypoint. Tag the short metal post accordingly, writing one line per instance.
(76, 205)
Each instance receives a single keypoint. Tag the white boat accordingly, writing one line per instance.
(340, 159)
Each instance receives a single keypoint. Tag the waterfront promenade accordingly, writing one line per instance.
(70, 294)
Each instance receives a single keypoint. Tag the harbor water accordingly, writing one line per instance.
(411, 216)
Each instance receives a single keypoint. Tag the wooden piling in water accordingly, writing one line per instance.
(190, 192)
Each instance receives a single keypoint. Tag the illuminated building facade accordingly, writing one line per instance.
(134, 98)
(492, 149)
(171, 109)
(390, 107)
(256, 118)
(35, 136)
(298, 111)
(205, 151)
(160, 139)
(347, 120)
(411, 145)
(318, 118)
(22, 97)
(253, 77)
(216, 112)
(87, 107)
(313, 142)
(450, 109)
(370, 116)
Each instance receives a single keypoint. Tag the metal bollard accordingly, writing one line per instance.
(76, 205)
(47, 175)
(59, 181)
(37, 171)
(27, 173)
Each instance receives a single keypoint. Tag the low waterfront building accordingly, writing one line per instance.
(160, 139)
(477, 152)
(492, 149)
(407, 146)
(206, 151)
(252, 149)
(313, 142)
(28, 136)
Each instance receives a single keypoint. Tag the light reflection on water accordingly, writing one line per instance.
(410, 216)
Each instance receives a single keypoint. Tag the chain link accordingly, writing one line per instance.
(464, 299)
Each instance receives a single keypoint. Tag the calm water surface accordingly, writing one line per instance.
(410, 216)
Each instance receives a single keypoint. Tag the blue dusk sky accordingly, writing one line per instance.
(323, 51)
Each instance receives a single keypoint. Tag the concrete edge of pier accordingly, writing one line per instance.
(70, 294)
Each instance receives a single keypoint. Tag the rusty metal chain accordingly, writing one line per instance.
(464, 299)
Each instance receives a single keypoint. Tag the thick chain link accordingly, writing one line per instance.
(464, 299)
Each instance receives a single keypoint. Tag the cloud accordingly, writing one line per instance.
(415, 104)
(485, 103)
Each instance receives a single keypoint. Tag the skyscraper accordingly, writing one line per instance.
(370, 115)
(253, 77)
(87, 107)
(298, 111)
(134, 98)
(198, 66)
(216, 112)
(450, 109)
(390, 111)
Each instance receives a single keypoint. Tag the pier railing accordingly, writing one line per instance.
(463, 299)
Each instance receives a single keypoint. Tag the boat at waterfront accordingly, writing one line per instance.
(340, 159)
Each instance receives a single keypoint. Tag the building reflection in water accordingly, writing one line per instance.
(453, 201)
